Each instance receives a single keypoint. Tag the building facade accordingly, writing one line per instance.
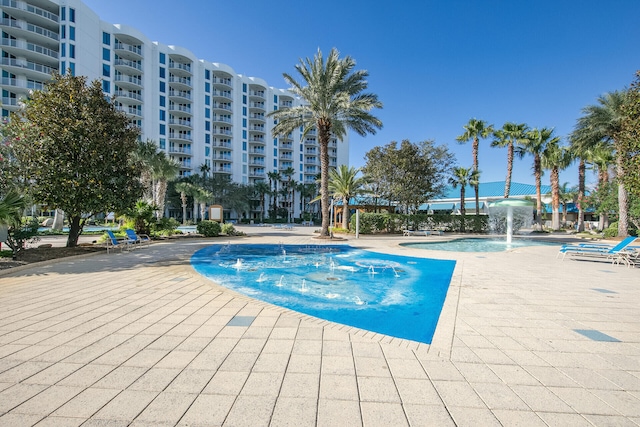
(201, 113)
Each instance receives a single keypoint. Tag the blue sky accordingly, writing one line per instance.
(434, 64)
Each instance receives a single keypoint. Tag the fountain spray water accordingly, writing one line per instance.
(507, 216)
(303, 288)
(279, 284)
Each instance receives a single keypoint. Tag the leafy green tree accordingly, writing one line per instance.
(76, 149)
(463, 177)
(334, 101)
(345, 183)
(474, 130)
(274, 179)
(510, 135)
(534, 142)
(602, 123)
(411, 174)
(629, 143)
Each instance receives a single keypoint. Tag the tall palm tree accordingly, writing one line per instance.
(288, 173)
(201, 197)
(474, 130)
(261, 188)
(566, 195)
(534, 142)
(274, 178)
(164, 170)
(185, 189)
(602, 157)
(334, 101)
(510, 135)
(345, 183)
(463, 177)
(602, 123)
(555, 158)
(145, 155)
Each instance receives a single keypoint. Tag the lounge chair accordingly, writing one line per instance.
(620, 253)
(138, 239)
(114, 242)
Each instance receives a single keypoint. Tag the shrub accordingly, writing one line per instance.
(209, 228)
(230, 230)
(21, 234)
(166, 226)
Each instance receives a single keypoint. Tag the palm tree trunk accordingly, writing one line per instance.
(555, 198)
(581, 186)
(538, 176)
(476, 143)
(507, 181)
(324, 132)
(345, 213)
(463, 210)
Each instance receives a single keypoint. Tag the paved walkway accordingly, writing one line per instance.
(140, 339)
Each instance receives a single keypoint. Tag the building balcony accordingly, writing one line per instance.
(222, 81)
(11, 103)
(24, 86)
(222, 106)
(260, 151)
(177, 136)
(180, 95)
(128, 97)
(30, 51)
(222, 157)
(128, 82)
(127, 66)
(130, 110)
(257, 128)
(225, 94)
(180, 150)
(222, 144)
(257, 162)
(286, 146)
(256, 94)
(257, 117)
(222, 131)
(180, 69)
(180, 83)
(31, 32)
(285, 157)
(257, 138)
(221, 119)
(39, 16)
(219, 168)
(128, 51)
(257, 105)
(182, 110)
(185, 164)
(180, 124)
(257, 174)
(28, 68)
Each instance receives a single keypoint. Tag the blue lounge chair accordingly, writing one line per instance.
(617, 254)
(138, 239)
(114, 242)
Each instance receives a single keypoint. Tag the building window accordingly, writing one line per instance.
(106, 70)
(207, 126)
(106, 54)
(244, 123)
(207, 113)
(106, 38)
(163, 101)
(63, 49)
(244, 111)
(63, 13)
(163, 129)
(163, 143)
(244, 99)
(162, 72)
(207, 100)
(244, 87)
(275, 163)
(72, 51)
(106, 87)
(162, 58)
(207, 151)
(163, 116)
(72, 14)
(275, 99)
(63, 68)
(244, 133)
(163, 87)
(275, 142)
(207, 87)
(72, 33)
(275, 152)
(63, 31)
(244, 145)
(72, 67)
(207, 138)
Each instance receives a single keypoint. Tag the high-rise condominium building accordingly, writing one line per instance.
(198, 112)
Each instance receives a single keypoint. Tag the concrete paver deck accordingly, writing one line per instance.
(140, 339)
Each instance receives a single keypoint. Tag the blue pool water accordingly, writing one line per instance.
(477, 245)
(393, 295)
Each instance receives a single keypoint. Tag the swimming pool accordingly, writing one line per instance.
(392, 295)
(477, 245)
